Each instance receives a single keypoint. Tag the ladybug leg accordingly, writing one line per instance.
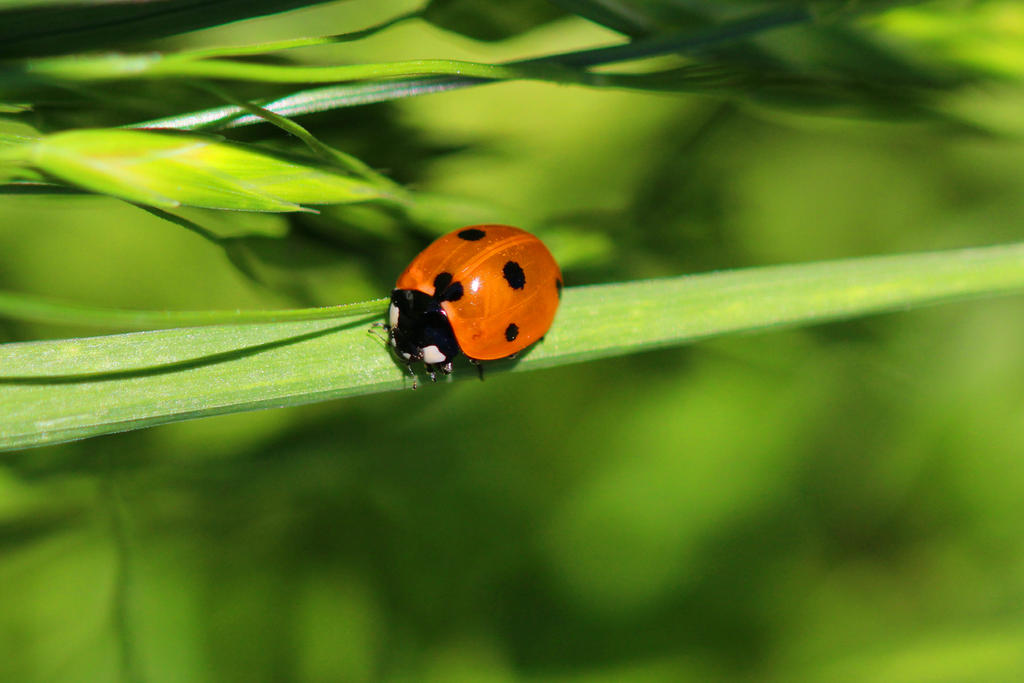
(433, 369)
(479, 368)
(412, 373)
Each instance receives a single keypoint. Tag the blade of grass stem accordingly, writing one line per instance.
(334, 97)
(53, 391)
(39, 309)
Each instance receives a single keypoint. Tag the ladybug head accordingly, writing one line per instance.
(419, 330)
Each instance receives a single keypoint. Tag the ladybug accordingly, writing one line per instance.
(487, 291)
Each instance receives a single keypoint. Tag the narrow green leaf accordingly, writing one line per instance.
(53, 391)
(38, 27)
(559, 68)
(332, 156)
(38, 309)
(277, 46)
(311, 101)
(166, 171)
(357, 94)
(798, 91)
(124, 66)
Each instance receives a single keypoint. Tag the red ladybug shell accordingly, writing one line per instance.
(510, 283)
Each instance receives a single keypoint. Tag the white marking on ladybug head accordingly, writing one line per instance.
(432, 355)
(393, 315)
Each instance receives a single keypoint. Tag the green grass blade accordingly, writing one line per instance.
(167, 171)
(39, 27)
(291, 44)
(553, 68)
(334, 157)
(387, 80)
(312, 101)
(119, 66)
(330, 97)
(53, 391)
(37, 309)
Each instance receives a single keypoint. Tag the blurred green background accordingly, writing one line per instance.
(837, 503)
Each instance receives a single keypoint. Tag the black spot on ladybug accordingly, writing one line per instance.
(445, 289)
(511, 332)
(441, 280)
(472, 234)
(452, 292)
(514, 275)
(558, 286)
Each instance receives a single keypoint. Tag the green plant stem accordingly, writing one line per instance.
(114, 67)
(53, 391)
(345, 162)
(37, 309)
(356, 94)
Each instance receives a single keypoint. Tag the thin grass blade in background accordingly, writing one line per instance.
(167, 171)
(40, 27)
(703, 41)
